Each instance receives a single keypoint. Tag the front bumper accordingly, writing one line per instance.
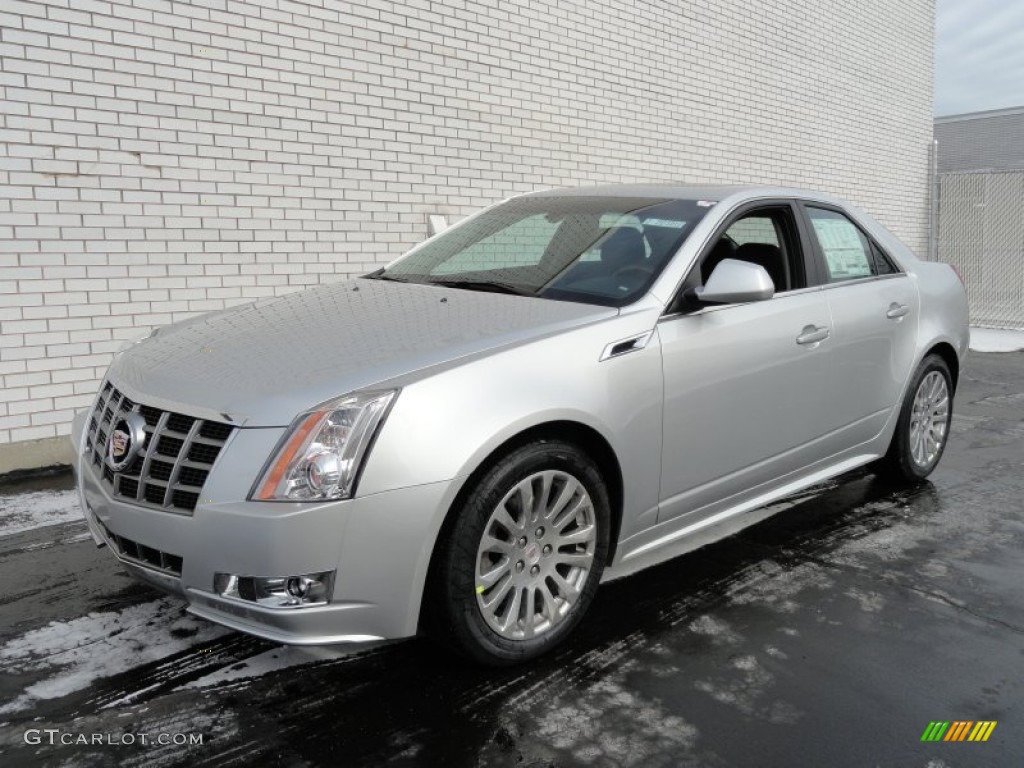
(378, 545)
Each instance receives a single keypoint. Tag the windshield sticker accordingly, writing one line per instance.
(706, 203)
(667, 223)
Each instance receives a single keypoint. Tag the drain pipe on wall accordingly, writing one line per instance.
(933, 202)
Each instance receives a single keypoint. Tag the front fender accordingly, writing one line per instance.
(442, 427)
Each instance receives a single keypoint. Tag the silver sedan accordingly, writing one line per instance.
(562, 389)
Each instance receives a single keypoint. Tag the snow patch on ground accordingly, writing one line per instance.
(869, 600)
(99, 645)
(25, 511)
(213, 727)
(714, 628)
(255, 666)
(745, 687)
(776, 586)
(605, 722)
(274, 660)
(934, 569)
(609, 723)
(775, 653)
(996, 340)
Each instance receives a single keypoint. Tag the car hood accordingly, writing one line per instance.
(263, 363)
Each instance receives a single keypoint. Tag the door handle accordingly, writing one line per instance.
(812, 334)
(897, 311)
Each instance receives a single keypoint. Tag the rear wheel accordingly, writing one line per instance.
(923, 427)
(524, 557)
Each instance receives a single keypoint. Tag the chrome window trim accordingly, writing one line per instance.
(797, 292)
(717, 307)
(862, 280)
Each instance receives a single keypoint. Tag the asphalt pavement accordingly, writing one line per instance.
(832, 634)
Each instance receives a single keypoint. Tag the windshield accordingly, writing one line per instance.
(600, 250)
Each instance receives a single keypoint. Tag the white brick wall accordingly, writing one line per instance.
(162, 158)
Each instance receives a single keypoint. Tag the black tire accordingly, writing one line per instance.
(899, 462)
(455, 618)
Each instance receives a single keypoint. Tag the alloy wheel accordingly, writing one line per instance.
(929, 419)
(535, 554)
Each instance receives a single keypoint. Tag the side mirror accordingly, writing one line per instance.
(736, 282)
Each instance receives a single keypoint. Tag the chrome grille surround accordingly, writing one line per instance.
(176, 457)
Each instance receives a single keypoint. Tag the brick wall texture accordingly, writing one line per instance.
(160, 158)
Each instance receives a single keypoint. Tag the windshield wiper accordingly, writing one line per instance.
(381, 275)
(470, 285)
(484, 285)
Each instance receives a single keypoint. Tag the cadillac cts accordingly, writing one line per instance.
(566, 387)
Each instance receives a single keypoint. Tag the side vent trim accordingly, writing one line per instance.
(625, 346)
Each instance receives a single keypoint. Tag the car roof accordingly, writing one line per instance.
(715, 192)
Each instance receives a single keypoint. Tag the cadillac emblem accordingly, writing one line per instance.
(126, 439)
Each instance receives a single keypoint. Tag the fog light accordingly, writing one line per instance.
(299, 586)
(276, 591)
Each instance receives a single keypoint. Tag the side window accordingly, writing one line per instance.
(520, 245)
(883, 264)
(766, 237)
(848, 252)
(754, 229)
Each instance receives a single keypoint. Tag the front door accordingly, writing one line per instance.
(745, 383)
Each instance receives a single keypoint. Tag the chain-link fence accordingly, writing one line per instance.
(980, 223)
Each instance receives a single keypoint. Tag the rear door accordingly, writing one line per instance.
(874, 308)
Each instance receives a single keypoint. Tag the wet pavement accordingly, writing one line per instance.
(831, 634)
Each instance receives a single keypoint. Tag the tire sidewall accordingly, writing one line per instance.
(459, 577)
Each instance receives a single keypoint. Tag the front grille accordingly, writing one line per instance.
(176, 457)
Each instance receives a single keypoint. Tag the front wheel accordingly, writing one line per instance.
(523, 559)
(923, 427)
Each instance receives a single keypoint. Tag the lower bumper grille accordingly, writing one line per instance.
(140, 553)
(171, 469)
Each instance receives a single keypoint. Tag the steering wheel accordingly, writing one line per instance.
(644, 272)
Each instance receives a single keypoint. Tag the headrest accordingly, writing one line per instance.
(624, 246)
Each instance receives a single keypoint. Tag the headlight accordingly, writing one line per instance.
(323, 450)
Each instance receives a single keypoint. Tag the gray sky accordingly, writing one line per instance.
(979, 55)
